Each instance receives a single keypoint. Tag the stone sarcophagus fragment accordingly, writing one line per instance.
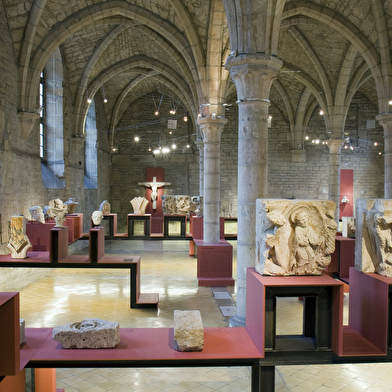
(188, 330)
(294, 237)
(373, 245)
(89, 333)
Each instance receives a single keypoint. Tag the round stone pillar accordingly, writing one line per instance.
(253, 76)
(211, 130)
(386, 121)
(200, 146)
(335, 156)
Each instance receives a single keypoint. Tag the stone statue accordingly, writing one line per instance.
(197, 205)
(168, 204)
(105, 207)
(47, 212)
(97, 217)
(58, 210)
(37, 214)
(373, 245)
(71, 203)
(294, 237)
(89, 333)
(154, 185)
(183, 204)
(19, 243)
(139, 205)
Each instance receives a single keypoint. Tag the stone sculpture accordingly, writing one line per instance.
(294, 237)
(37, 214)
(97, 217)
(71, 203)
(58, 210)
(139, 205)
(19, 243)
(168, 204)
(197, 205)
(188, 330)
(183, 204)
(348, 227)
(89, 333)
(47, 212)
(373, 245)
(105, 207)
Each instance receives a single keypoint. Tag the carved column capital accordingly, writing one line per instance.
(253, 75)
(199, 144)
(211, 129)
(385, 119)
(335, 145)
(27, 122)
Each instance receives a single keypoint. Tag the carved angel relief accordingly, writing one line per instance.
(294, 237)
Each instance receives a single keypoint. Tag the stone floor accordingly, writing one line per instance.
(64, 296)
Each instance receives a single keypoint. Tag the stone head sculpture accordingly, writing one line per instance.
(37, 214)
(97, 217)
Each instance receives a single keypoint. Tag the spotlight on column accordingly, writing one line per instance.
(213, 116)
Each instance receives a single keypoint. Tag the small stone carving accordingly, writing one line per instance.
(188, 330)
(373, 245)
(139, 205)
(348, 227)
(294, 237)
(168, 204)
(183, 204)
(105, 207)
(58, 210)
(22, 325)
(90, 333)
(47, 213)
(97, 217)
(37, 214)
(19, 243)
(71, 203)
(197, 205)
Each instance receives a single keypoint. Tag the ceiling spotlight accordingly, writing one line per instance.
(157, 151)
(199, 115)
(105, 100)
(317, 141)
(149, 148)
(390, 102)
(306, 137)
(188, 146)
(170, 132)
(351, 147)
(174, 146)
(269, 117)
(375, 143)
(321, 112)
(185, 118)
(346, 147)
(89, 100)
(136, 138)
(380, 153)
(156, 113)
(213, 116)
(114, 149)
(165, 150)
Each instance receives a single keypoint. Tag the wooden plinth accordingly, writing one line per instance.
(96, 244)
(58, 249)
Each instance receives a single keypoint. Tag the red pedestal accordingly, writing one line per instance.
(77, 225)
(9, 332)
(214, 264)
(343, 257)
(96, 244)
(197, 227)
(58, 249)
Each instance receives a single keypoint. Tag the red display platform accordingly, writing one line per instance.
(96, 244)
(343, 257)
(141, 346)
(9, 334)
(256, 286)
(197, 227)
(77, 225)
(58, 247)
(214, 264)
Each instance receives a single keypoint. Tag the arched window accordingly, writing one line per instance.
(51, 123)
(91, 167)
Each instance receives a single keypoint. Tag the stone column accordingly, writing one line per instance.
(386, 121)
(335, 155)
(253, 76)
(211, 130)
(200, 146)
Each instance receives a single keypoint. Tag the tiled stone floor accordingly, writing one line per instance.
(64, 296)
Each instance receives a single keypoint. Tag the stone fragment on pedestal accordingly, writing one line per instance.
(19, 243)
(90, 333)
(373, 245)
(139, 205)
(294, 237)
(188, 330)
(22, 325)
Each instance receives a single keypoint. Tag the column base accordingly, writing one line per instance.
(237, 321)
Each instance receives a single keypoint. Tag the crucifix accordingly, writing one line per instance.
(154, 185)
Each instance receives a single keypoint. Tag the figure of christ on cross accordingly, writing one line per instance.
(154, 185)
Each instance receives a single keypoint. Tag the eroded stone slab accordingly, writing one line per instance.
(188, 330)
(294, 237)
(373, 245)
(22, 329)
(89, 333)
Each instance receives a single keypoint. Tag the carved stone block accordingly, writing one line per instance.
(139, 205)
(89, 333)
(373, 245)
(188, 330)
(294, 237)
